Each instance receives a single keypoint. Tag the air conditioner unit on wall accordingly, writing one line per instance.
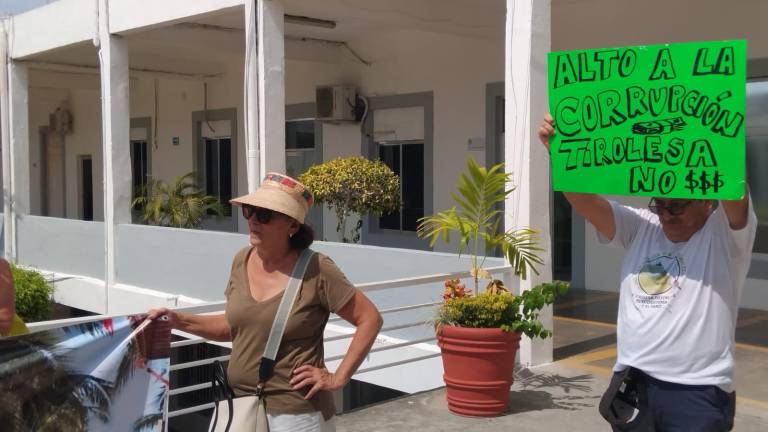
(60, 121)
(335, 103)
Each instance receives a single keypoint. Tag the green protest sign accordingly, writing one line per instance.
(657, 120)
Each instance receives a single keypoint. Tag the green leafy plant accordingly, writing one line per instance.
(500, 308)
(353, 185)
(180, 204)
(34, 294)
(478, 222)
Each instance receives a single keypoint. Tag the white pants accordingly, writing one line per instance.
(309, 422)
(249, 413)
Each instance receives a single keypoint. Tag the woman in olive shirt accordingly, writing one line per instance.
(298, 396)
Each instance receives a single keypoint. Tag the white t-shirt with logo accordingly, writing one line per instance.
(679, 301)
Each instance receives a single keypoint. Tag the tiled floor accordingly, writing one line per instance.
(564, 395)
(585, 337)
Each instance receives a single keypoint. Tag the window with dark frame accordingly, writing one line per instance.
(300, 135)
(406, 160)
(86, 170)
(139, 167)
(218, 171)
(757, 157)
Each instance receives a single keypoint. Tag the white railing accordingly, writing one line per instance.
(218, 307)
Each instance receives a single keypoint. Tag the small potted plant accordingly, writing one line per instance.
(180, 204)
(479, 331)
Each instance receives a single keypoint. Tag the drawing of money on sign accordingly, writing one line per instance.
(659, 127)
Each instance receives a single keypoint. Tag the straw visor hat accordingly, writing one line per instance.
(280, 193)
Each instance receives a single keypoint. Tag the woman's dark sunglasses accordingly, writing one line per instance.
(263, 215)
(675, 208)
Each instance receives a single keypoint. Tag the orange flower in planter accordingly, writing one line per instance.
(496, 287)
(454, 289)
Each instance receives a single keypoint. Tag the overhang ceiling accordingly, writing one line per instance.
(203, 44)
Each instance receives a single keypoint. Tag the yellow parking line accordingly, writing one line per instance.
(594, 355)
(598, 370)
(586, 322)
(753, 402)
(740, 345)
(752, 347)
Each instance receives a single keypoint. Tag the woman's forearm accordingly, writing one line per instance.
(212, 327)
(361, 344)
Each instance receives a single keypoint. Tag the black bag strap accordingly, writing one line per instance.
(221, 391)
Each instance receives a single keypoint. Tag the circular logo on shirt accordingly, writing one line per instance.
(658, 273)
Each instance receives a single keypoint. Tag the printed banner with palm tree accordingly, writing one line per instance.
(108, 375)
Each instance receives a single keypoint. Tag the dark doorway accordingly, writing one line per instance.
(86, 193)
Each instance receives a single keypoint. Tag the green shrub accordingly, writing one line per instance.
(353, 185)
(500, 309)
(34, 295)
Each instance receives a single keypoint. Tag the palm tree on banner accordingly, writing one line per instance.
(41, 390)
(150, 421)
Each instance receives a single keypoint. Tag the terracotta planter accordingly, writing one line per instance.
(478, 366)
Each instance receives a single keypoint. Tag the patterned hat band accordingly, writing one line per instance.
(292, 184)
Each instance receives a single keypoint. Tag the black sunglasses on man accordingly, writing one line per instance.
(674, 208)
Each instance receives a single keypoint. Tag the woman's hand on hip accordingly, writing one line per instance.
(317, 378)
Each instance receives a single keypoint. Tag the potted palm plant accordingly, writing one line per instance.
(180, 204)
(479, 331)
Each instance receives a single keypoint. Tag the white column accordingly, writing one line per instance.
(18, 93)
(15, 140)
(18, 88)
(525, 86)
(6, 145)
(271, 77)
(115, 120)
(15, 130)
(251, 102)
(9, 235)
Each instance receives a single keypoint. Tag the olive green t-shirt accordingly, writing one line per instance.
(324, 289)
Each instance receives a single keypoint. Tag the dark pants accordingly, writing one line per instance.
(689, 408)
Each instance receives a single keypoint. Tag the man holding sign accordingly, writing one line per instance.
(666, 122)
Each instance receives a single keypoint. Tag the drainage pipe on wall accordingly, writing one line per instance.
(251, 102)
